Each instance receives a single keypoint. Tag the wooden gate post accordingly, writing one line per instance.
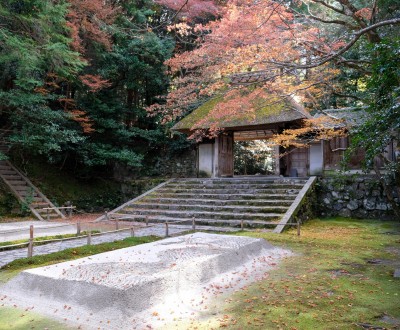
(30, 245)
(78, 228)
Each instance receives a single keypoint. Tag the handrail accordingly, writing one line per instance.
(134, 200)
(294, 208)
(35, 189)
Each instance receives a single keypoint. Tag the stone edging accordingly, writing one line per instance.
(294, 208)
(134, 200)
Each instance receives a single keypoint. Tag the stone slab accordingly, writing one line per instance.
(126, 286)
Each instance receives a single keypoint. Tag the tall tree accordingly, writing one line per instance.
(76, 76)
(34, 58)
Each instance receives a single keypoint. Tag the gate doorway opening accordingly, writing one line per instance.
(255, 157)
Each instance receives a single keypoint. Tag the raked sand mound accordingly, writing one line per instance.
(142, 285)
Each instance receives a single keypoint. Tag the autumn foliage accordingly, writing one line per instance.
(86, 20)
(248, 37)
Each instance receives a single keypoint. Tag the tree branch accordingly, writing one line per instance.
(340, 11)
(336, 21)
(357, 35)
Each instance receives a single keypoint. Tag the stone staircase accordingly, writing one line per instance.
(27, 193)
(22, 187)
(249, 201)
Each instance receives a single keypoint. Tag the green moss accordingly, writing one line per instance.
(60, 186)
(268, 110)
(140, 186)
(8, 203)
(327, 284)
(19, 319)
(198, 114)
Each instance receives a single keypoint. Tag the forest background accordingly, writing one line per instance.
(89, 84)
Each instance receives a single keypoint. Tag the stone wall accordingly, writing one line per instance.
(359, 196)
(182, 165)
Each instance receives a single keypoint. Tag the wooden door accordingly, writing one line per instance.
(225, 154)
(298, 162)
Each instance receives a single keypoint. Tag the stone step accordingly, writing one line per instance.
(39, 199)
(240, 180)
(229, 191)
(19, 183)
(198, 222)
(25, 189)
(49, 216)
(31, 197)
(233, 186)
(208, 195)
(255, 202)
(203, 214)
(44, 212)
(11, 177)
(39, 204)
(8, 172)
(209, 208)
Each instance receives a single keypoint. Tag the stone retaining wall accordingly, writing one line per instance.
(359, 196)
(182, 165)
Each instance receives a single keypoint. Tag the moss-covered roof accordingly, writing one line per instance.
(274, 109)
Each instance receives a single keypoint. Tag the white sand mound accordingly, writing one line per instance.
(122, 289)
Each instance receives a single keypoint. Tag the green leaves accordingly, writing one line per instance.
(48, 49)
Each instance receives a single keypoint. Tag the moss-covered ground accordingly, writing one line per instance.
(340, 277)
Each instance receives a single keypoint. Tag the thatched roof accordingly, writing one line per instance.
(274, 110)
(347, 117)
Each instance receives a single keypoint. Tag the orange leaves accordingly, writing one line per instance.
(190, 10)
(315, 129)
(82, 118)
(94, 82)
(86, 19)
(249, 37)
(365, 13)
(77, 115)
(41, 90)
(182, 29)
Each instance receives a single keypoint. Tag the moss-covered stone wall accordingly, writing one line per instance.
(357, 196)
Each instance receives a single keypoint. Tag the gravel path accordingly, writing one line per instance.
(158, 230)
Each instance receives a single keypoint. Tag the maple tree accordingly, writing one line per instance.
(234, 49)
(324, 53)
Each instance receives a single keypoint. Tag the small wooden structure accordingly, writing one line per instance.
(215, 155)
